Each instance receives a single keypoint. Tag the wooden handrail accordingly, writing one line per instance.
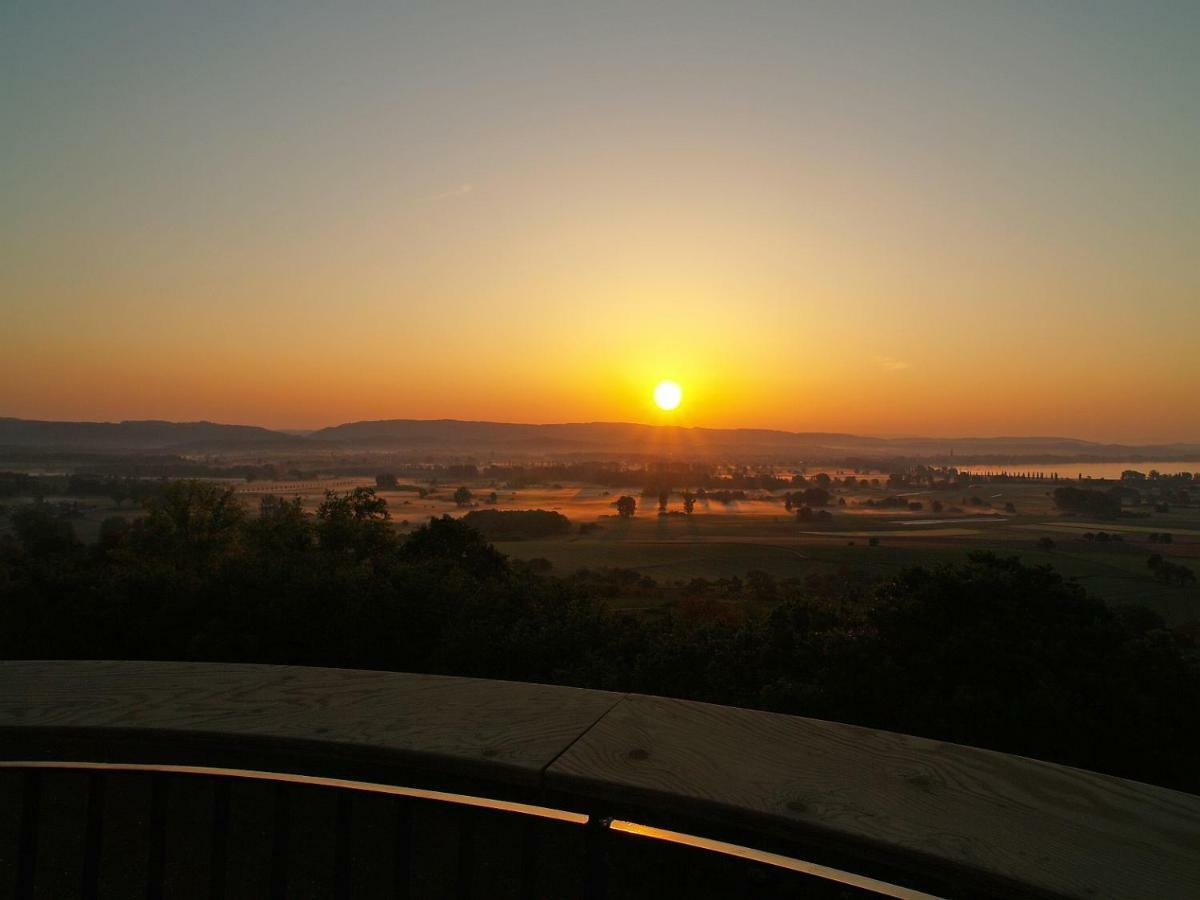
(941, 817)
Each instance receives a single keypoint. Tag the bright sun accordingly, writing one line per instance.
(667, 394)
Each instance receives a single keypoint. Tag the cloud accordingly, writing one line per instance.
(891, 363)
(459, 191)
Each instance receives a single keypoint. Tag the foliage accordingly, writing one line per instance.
(517, 524)
(991, 652)
(1083, 500)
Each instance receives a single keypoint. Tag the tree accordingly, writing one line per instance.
(815, 496)
(386, 481)
(113, 532)
(193, 520)
(41, 532)
(451, 543)
(517, 524)
(462, 496)
(1096, 503)
(663, 497)
(1045, 543)
(283, 528)
(354, 524)
(492, 498)
(626, 506)
(689, 502)
(118, 491)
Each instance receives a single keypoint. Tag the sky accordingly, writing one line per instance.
(942, 218)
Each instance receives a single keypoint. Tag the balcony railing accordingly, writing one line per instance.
(152, 779)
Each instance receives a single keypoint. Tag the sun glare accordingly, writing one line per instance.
(667, 394)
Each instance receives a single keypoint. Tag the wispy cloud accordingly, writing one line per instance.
(891, 363)
(458, 191)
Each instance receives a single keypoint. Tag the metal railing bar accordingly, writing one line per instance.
(527, 809)
(752, 854)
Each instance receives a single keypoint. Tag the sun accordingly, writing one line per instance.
(667, 394)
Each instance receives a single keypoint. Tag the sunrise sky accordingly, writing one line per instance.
(896, 217)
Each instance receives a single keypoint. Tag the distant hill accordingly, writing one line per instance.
(139, 436)
(581, 437)
(452, 437)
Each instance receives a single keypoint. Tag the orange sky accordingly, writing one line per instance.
(937, 220)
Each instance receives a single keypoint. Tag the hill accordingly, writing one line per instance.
(452, 437)
(138, 436)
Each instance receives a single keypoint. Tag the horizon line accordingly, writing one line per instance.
(307, 431)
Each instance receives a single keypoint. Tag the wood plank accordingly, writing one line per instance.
(248, 843)
(373, 847)
(916, 803)
(12, 805)
(871, 801)
(436, 851)
(187, 857)
(125, 846)
(495, 869)
(312, 843)
(556, 861)
(640, 869)
(494, 730)
(61, 830)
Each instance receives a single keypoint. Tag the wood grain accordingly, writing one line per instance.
(499, 731)
(967, 820)
(916, 803)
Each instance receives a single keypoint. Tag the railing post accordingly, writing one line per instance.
(597, 850)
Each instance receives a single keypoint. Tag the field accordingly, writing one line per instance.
(727, 540)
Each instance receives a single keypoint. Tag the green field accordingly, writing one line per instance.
(721, 545)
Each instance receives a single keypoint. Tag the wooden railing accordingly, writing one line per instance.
(128, 779)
